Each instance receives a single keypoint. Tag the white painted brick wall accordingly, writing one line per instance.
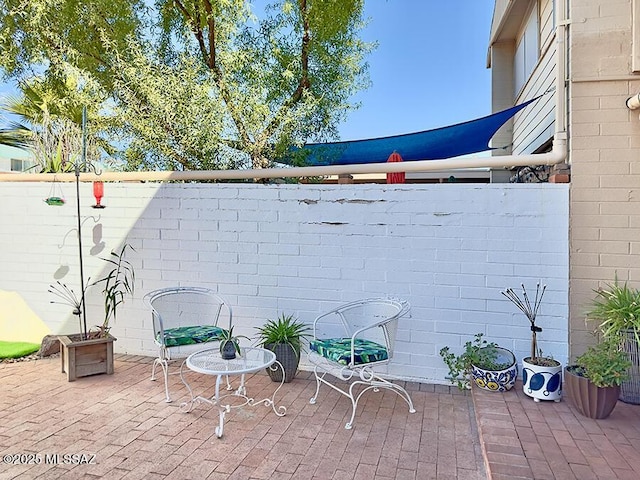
(302, 249)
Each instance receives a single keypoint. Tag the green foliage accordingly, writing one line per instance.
(117, 283)
(228, 336)
(54, 113)
(285, 329)
(16, 135)
(604, 364)
(616, 308)
(478, 352)
(199, 84)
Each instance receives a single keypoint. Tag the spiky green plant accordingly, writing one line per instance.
(285, 329)
(117, 283)
(617, 309)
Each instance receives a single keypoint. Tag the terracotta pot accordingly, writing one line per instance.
(542, 382)
(590, 400)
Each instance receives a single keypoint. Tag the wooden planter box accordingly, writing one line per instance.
(81, 358)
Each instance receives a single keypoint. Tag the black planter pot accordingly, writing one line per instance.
(228, 350)
(590, 400)
(286, 355)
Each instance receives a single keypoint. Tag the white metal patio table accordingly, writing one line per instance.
(210, 362)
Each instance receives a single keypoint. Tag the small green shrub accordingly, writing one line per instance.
(476, 352)
(604, 364)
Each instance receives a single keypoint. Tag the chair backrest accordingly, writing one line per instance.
(187, 306)
(374, 319)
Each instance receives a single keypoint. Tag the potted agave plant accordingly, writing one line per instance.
(283, 337)
(230, 344)
(541, 375)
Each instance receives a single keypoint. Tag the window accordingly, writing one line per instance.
(527, 51)
(18, 165)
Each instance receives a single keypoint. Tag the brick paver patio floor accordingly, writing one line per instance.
(123, 420)
(126, 430)
(527, 440)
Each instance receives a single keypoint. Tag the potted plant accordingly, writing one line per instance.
(593, 383)
(90, 352)
(541, 375)
(283, 337)
(229, 344)
(617, 309)
(490, 366)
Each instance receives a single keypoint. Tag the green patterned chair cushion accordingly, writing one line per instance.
(339, 350)
(174, 337)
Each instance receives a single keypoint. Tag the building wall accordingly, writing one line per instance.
(449, 249)
(605, 155)
(7, 154)
(534, 126)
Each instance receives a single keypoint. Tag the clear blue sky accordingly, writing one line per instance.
(429, 69)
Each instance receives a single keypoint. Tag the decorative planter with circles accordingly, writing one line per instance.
(497, 380)
(542, 382)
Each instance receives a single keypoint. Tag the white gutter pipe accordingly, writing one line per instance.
(557, 155)
(560, 134)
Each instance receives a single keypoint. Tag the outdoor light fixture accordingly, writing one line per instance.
(98, 192)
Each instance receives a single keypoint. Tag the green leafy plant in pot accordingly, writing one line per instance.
(616, 309)
(284, 336)
(230, 344)
(90, 352)
(541, 375)
(117, 284)
(593, 382)
(490, 366)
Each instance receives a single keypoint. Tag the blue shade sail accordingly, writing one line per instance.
(445, 142)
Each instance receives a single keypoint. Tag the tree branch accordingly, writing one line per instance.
(195, 28)
(303, 84)
(212, 34)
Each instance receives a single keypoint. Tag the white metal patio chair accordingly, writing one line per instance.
(350, 341)
(184, 316)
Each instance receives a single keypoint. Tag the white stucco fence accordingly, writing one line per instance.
(302, 249)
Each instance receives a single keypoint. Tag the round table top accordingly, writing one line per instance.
(210, 362)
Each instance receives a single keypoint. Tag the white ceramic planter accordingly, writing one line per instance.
(542, 382)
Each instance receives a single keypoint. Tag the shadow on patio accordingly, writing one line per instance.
(123, 420)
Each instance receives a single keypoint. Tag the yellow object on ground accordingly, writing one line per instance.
(18, 323)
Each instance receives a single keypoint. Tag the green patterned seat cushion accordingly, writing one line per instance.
(339, 350)
(174, 337)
